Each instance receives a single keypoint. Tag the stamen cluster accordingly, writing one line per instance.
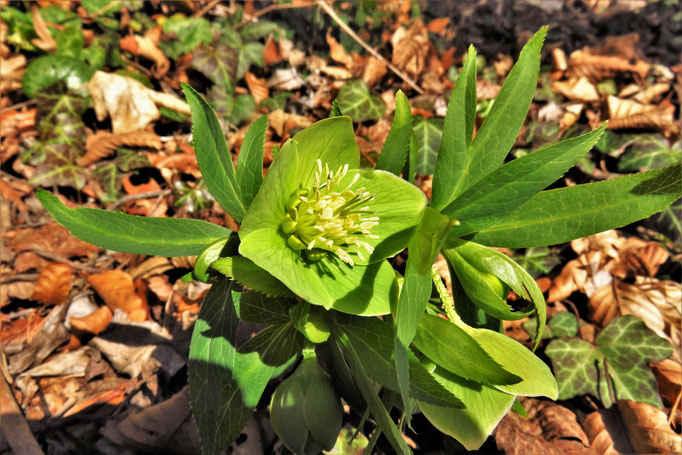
(324, 219)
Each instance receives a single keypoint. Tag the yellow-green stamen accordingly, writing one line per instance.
(323, 219)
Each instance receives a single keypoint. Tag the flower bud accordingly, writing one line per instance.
(305, 410)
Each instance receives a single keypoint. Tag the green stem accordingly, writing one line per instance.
(447, 303)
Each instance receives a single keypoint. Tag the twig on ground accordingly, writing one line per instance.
(59, 258)
(206, 8)
(330, 11)
(13, 424)
(273, 7)
(135, 197)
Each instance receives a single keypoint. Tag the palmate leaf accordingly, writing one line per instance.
(564, 214)
(134, 234)
(224, 384)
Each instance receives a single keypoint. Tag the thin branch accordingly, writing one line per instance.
(330, 11)
(59, 258)
(206, 8)
(273, 7)
(135, 197)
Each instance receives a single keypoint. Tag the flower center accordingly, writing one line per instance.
(326, 219)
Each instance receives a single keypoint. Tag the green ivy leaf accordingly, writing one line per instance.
(224, 385)
(134, 234)
(249, 54)
(218, 63)
(564, 214)
(395, 150)
(48, 69)
(190, 32)
(628, 346)
(355, 100)
(429, 132)
(70, 42)
(537, 261)
(650, 152)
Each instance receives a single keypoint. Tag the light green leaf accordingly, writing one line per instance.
(458, 129)
(650, 152)
(564, 324)
(484, 408)
(134, 234)
(453, 349)
(560, 215)
(373, 341)
(242, 108)
(628, 346)
(410, 170)
(213, 155)
(395, 150)
(249, 54)
(501, 127)
(355, 100)
(429, 132)
(499, 193)
(70, 42)
(250, 161)
(244, 271)
(537, 261)
(224, 385)
(428, 239)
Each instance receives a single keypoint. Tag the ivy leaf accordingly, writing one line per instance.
(48, 69)
(628, 346)
(355, 100)
(429, 132)
(224, 385)
(190, 32)
(650, 152)
(537, 261)
(218, 63)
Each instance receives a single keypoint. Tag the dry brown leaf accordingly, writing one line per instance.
(131, 105)
(669, 378)
(150, 267)
(374, 70)
(652, 93)
(117, 290)
(503, 65)
(103, 144)
(639, 257)
(28, 260)
(185, 162)
(648, 429)
(559, 58)
(410, 48)
(285, 79)
(631, 114)
(432, 83)
(257, 87)
(53, 284)
(45, 41)
(12, 68)
(577, 89)
(624, 46)
(95, 322)
(438, 25)
(337, 52)
(148, 48)
(281, 122)
(295, 57)
(599, 67)
(271, 52)
(486, 90)
(52, 238)
(550, 429)
(570, 116)
(15, 121)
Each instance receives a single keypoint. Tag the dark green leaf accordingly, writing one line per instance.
(260, 309)
(224, 384)
(355, 100)
(502, 191)
(458, 129)
(560, 215)
(429, 132)
(250, 161)
(48, 69)
(243, 108)
(213, 155)
(650, 152)
(336, 110)
(190, 32)
(218, 63)
(70, 42)
(537, 261)
(134, 234)
(451, 348)
(276, 345)
(394, 153)
(249, 54)
(628, 347)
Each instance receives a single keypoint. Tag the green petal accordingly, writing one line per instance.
(397, 203)
(361, 290)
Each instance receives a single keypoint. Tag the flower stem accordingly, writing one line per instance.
(447, 303)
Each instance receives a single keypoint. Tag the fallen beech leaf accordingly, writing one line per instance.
(600, 67)
(286, 79)
(577, 89)
(53, 284)
(185, 162)
(147, 47)
(559, 58)
(131, 105)
(52, 238)
(95, 322)
(438, 25)
(669, 377)
(102, 144)
(570, 117)
(503, 65)
(550, 429)
(271, 52)
(486, 90)
(652, 93)
(410, 48)
(257, 87)
(112, 397)
(28, 261)
(281, 122)
(45, 41)
(631, 427)
(118, 291)
(337, 52)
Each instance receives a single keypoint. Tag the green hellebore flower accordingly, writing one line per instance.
(325, 228)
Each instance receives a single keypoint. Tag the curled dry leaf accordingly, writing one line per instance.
(45, 41)
(653, 93)
(102, 144)
(570, 116)
(337, 52)
(631, 114)
(281, 122)
(410, 48)
(503, 65)
(93, 323)
(130, 104)
(559, 59)
(577, 89)
(271, 52)
(285, 80)
(147, 47)
(118, 291)
(631, 427)
(52, 238)
(53, 284)
(550, 429)
(669, 378)
(600, 67)
(257, 87)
